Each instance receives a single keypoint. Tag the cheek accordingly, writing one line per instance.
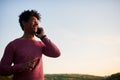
(27, 27)
(30, 25)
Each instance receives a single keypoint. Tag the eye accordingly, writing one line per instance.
(36, 23)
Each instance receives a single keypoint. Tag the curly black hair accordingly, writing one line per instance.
(25, 16)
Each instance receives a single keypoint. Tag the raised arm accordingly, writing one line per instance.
(50, 49)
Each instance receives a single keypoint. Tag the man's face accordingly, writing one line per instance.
(32, 25)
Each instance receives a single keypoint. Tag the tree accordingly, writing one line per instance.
(115, 76)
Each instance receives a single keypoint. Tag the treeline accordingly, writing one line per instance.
(72, 77)
(115, 76)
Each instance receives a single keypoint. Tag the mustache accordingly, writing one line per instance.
(36, 25)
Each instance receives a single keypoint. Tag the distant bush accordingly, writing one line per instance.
(5, 77)
(115, 76)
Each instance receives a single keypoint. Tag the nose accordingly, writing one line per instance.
(36, 24)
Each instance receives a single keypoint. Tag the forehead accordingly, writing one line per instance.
(33, 18)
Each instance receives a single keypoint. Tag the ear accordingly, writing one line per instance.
(23, 23)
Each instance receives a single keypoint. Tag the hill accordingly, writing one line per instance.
(72, 77)
(115, 76)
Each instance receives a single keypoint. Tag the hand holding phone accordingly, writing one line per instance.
(39, 30)
(40, 33)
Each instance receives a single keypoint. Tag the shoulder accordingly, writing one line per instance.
(12, 43)
(10, 46)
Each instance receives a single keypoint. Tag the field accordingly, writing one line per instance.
(115, 76)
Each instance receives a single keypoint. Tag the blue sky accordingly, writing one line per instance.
(86, 31)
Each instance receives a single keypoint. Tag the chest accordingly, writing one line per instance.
(27, 51)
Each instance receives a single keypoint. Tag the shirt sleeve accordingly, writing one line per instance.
(6, 67)
(50, 49)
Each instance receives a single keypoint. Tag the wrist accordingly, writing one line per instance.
(42, 37)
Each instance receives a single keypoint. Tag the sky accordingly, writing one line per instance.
(87, 33)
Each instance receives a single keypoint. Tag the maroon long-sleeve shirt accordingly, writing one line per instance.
(20, 51)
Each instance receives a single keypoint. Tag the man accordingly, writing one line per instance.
(23, 56)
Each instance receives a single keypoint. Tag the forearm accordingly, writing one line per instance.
(50, 49)
(6, 70)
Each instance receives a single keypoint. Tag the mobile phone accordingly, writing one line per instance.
(39, 30)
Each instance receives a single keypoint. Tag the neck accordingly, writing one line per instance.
(28, 36)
